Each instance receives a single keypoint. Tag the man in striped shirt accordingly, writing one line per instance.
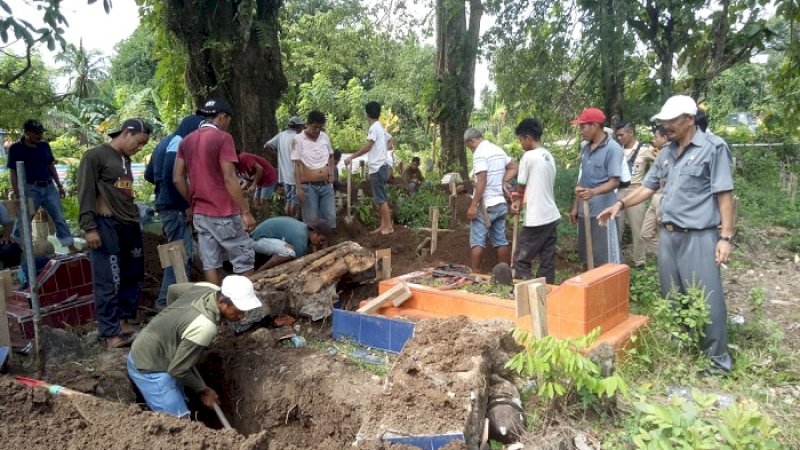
(491, 169)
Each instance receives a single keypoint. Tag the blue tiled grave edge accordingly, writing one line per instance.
(378, 332)
(429, 442)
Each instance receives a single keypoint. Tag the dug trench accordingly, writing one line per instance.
(282, 397)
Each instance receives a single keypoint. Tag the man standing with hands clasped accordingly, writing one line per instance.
(221, 215)
(110, 219)
(696, 200)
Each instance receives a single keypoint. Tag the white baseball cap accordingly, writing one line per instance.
(241, 292)
(676, 106)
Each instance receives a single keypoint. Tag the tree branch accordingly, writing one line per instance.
(6, 84)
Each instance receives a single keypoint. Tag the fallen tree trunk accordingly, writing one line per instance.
(306, 286)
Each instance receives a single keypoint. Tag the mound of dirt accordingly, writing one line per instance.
(32, 419)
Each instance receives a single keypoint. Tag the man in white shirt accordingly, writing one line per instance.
(312, 156)
(535, 181)
(492, 168)
(379, 166)
(282, 144)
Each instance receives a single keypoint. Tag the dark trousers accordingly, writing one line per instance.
(537, 242)
(117, 273)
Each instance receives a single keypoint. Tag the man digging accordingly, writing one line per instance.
(286, 238)
(163, 356)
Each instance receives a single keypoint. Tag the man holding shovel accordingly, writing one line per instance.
(601, 168)
(162, 357)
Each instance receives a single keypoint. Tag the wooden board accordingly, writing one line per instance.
(521, 296)
(397, 294)
(384, 256)
(434, 228)
(173, 255)
(537, 302)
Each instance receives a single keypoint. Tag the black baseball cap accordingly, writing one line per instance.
(33, 125)
(320, 226)
(214, 106)
(134, 125)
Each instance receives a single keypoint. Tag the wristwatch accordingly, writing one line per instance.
(728, 239)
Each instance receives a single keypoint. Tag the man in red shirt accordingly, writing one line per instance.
(260, 176)
(221, 216)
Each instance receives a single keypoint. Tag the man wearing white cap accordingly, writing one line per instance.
(162, 356)
(696, 216)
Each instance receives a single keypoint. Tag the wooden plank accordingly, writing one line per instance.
(521, 296)
(177, 260)
(163, 252)
(397, 294)
(452, 199)
(384, 255)
(434, 228)
(537, 302)
(587, 227)
(5, 334)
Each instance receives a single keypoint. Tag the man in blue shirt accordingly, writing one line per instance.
(172, 208)
(285, 238)
(43, 185)
(601, 168)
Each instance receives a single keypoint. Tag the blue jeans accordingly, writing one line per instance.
(117, 273)
(47, 197)
(319, 203)
(161, 391)
(174, 227)
(496, 231)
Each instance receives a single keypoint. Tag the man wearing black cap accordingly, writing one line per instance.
(286, 238)
(282, 144)
(43, 184)
(110, 219)
(221, 216)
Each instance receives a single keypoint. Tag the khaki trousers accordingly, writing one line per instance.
(633, 216)
(650, 225)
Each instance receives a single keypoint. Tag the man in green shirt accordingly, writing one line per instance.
(162, 356)
(286, 238)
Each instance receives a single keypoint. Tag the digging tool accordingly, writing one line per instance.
(217, 409)
(53, 389)
(514, 236)
(348, 219)
(587, 228)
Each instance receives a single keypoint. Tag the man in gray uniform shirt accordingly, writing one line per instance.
(696, 200)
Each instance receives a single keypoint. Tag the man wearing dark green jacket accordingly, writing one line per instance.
(162, 356)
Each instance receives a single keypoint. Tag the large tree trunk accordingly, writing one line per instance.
(612, 75)
(307, 286)
(234, 53)
(457, 51)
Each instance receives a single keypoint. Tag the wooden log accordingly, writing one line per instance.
(434, 228)
(306, 286)
(397, 294)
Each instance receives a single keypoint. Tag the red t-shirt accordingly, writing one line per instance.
(203, 151)
(247, 167)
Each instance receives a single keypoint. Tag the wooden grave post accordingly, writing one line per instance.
(384, 256)
(434, 228)
(531, 298)
(453, 197)
(397, 294)
(173, 255)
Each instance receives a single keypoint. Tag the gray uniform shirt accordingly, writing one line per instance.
(597, 167)
(692, 180)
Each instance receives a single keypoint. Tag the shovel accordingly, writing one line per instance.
(587, 227)
(217, 409)
(53, 389)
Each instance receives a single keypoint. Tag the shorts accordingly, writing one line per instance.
(273, 247)
(265, 192)
(291, 194)
(216, 235)
(496, 231)
(379, 180)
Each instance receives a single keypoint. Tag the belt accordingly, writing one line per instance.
(41, 183)
(673, 227)
(316, 182)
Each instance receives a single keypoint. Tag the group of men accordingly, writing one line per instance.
(688, 173)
